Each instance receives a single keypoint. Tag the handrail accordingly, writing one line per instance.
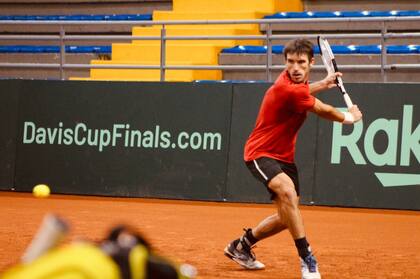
(200, 67)
(384, 35)
(208, 37)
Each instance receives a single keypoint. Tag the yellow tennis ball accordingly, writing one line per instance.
(41, 191)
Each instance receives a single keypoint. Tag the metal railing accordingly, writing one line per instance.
(383, 35)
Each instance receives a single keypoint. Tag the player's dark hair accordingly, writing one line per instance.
(299, 46)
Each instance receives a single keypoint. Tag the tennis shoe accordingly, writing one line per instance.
(241, 252)
(309, 268)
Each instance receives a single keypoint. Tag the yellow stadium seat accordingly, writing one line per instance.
(189, 52)
(151, 74)
(199, 54)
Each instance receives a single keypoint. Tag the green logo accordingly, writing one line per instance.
(409, 144)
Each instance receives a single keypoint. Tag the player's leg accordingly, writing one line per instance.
(268, 227)
(287, 201)
(240, 250)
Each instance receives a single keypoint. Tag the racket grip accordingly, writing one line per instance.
(348, 101)
(50, 233)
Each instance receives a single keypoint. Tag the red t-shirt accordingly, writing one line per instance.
(282, 113)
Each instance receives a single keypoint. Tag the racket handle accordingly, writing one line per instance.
(50, 233)
(348, 101)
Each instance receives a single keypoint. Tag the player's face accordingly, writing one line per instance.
(298, 67)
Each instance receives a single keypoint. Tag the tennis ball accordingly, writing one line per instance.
(41, 191)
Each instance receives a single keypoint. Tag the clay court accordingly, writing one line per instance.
(349, 243)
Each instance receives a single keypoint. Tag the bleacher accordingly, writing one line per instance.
(198, 52)
(77, 52)
(363, 51)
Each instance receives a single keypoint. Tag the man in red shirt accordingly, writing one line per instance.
(270, 149)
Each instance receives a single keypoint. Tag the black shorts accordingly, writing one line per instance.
(264, 169)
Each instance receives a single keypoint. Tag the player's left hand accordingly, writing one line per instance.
(355, 111)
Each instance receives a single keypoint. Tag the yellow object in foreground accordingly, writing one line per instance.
(77, 261)
(41, 191)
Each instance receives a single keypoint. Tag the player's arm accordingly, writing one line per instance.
(331, 113)
(324, 84)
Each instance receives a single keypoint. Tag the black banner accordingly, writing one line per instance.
(186, 140)
(376, 163)
(9, 95)
(124, 139)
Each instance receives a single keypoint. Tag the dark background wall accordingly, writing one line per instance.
(9, 93)
(379, 167)
(160, 170)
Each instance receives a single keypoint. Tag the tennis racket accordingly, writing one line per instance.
(331, 66)
(51, 232)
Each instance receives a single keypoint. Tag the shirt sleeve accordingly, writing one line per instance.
(300, 99)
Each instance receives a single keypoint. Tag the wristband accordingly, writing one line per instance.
(348, 118)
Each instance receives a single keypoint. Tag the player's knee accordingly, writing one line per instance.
(284, 191)
(289, 197)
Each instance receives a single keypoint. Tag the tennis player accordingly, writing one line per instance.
(270, 149)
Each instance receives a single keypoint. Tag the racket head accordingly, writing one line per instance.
(329, 61)
(326, 54)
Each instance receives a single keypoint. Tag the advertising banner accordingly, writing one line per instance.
(124, 139)
(186, 140)
(376, 162)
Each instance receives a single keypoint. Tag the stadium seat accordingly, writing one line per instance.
(328, 14)
(337, 49)
(409, 13)
(54, 49)
(148, 51)
(79, 17)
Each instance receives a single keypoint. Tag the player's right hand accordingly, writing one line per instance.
(331, 79)
(357, 114)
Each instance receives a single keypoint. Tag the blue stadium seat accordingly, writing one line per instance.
(396, 49)
(337, 49)
(276, 15)
(408, 13)
(79, 17)
(328, 14)
(88, 49)
(244, 49)
(392, 49)
(369, 49)
(340, 49)
(382, 13)
(290, 15)
(276, 49)
(354, 13)
(54, 49)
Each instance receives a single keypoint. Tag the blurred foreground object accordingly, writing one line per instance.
(124, 254)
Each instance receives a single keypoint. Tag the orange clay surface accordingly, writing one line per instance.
(349, 243)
